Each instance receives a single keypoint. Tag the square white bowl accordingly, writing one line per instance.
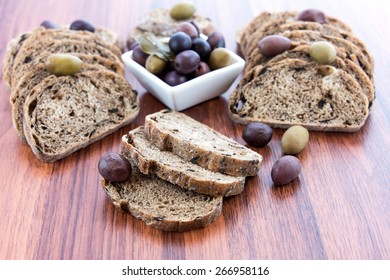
(192, 92)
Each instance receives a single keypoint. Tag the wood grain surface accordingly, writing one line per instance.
(339, 208)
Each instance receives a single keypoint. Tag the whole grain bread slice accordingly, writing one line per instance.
(161, 24)
(297, 92)
(161, 204)
(324, 29)
(174, 169)
(257, 23)
(13, 46)
(275, 20)
(198, 143)
(11, 51)
(345, 49)
(67, 113)
(30, 54)
(302, 52)
(38, 72)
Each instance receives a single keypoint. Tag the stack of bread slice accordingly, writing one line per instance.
(57, 115)
(292, 88)
(182, 169)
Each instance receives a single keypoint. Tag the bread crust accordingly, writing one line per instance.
(125, 197)
(175, 170)
(233, 159)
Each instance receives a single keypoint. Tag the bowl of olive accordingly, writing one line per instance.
(185, 69)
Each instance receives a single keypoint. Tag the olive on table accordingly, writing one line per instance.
(285, 170)
(114, 168)
(257, 134)
(294, 140)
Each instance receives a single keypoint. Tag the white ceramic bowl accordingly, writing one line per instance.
(192, 92)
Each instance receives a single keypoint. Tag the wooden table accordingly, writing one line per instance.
(338, 208)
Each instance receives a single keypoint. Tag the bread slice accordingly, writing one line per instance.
(345, 49)
(37, 73)
(324, 29)
(161, 24)
(30, 54)
(257, 23)
(198, 143)
(110, 37)
(296, 92)
(67, 113)
(13, 46)
(275, 20)
(302, 52)
(11, 51)
(161, 204)
(170, 167)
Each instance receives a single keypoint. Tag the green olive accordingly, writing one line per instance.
(154, 64)
(182, 10)
(323, 52)
(294, 140)
(219, 58)
(61, 64)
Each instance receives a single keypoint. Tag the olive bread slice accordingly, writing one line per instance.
(198, 143)
(161, 204)
(275, 20)
(302, 52)
(345, 49)
(64, 114)
(11, 51)
(37, 73)
(170, 167)
(30, 54)
(297, 92)
(13, 46)
(324, 29)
